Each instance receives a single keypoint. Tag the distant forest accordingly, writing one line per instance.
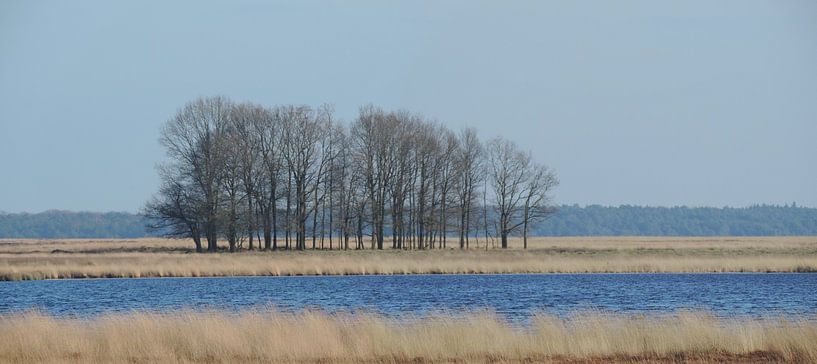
(759, 220)
(68, 224)
(570, 220)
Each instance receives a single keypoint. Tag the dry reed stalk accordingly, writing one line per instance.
(275, 337)
(25, 259)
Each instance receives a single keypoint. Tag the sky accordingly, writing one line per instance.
(696, 103)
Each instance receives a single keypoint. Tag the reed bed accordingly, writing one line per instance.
(306, 337)
(27, 259)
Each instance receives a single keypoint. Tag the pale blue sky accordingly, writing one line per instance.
(632, 102)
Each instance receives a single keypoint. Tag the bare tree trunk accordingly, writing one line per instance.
(265, 224)
(288, 217)
(267, 233)
(323, 216)
(462, 227)
(315, 218)
(504, 230)
(232, 229)
(331, 211)
(274, 227)
(197, 242)
(301, 214)
(467, 227)
(485, 212)
(210, 231)
(360, 229)
(443, 222)
(250, 221)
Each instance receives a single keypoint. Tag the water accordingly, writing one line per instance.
(515, 297)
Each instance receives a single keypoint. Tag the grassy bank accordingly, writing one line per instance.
(33, 259)
(254, 337)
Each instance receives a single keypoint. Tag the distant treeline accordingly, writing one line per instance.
(759, 220)
(68, 224)
(570, 220)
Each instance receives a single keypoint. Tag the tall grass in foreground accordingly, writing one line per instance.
(260, 336)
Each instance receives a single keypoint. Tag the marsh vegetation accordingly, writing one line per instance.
(48, 259)
(311, 336)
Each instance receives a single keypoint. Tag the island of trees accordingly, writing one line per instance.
(295, 177)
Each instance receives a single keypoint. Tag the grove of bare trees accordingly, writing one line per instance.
(294, 177)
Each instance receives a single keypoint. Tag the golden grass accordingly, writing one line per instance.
(274, 337)
(36, 259)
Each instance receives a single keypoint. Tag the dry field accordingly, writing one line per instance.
(49, 259)
(273, 337)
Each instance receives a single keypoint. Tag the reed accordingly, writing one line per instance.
(275, 337)
(27, 259)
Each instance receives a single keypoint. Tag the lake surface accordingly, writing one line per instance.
(515, 297)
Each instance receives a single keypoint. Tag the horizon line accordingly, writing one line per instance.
(793, 204)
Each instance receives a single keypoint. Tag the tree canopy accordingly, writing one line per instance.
(236, 171)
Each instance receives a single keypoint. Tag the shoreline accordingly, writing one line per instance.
(411, 274)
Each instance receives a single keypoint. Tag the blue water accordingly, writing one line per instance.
(515, 297)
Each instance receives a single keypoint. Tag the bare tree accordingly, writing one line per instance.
(191, 140)
(302, 132)
(342, 183)
(247, 144)
(402, 183)
(427, 145)
(446, 169)
(470, 172)
(507, 167)
(174, 211)
(324, 119)
(541, 181)
(374, 143)
(337, 149)
(231, 183)
(268, 131)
